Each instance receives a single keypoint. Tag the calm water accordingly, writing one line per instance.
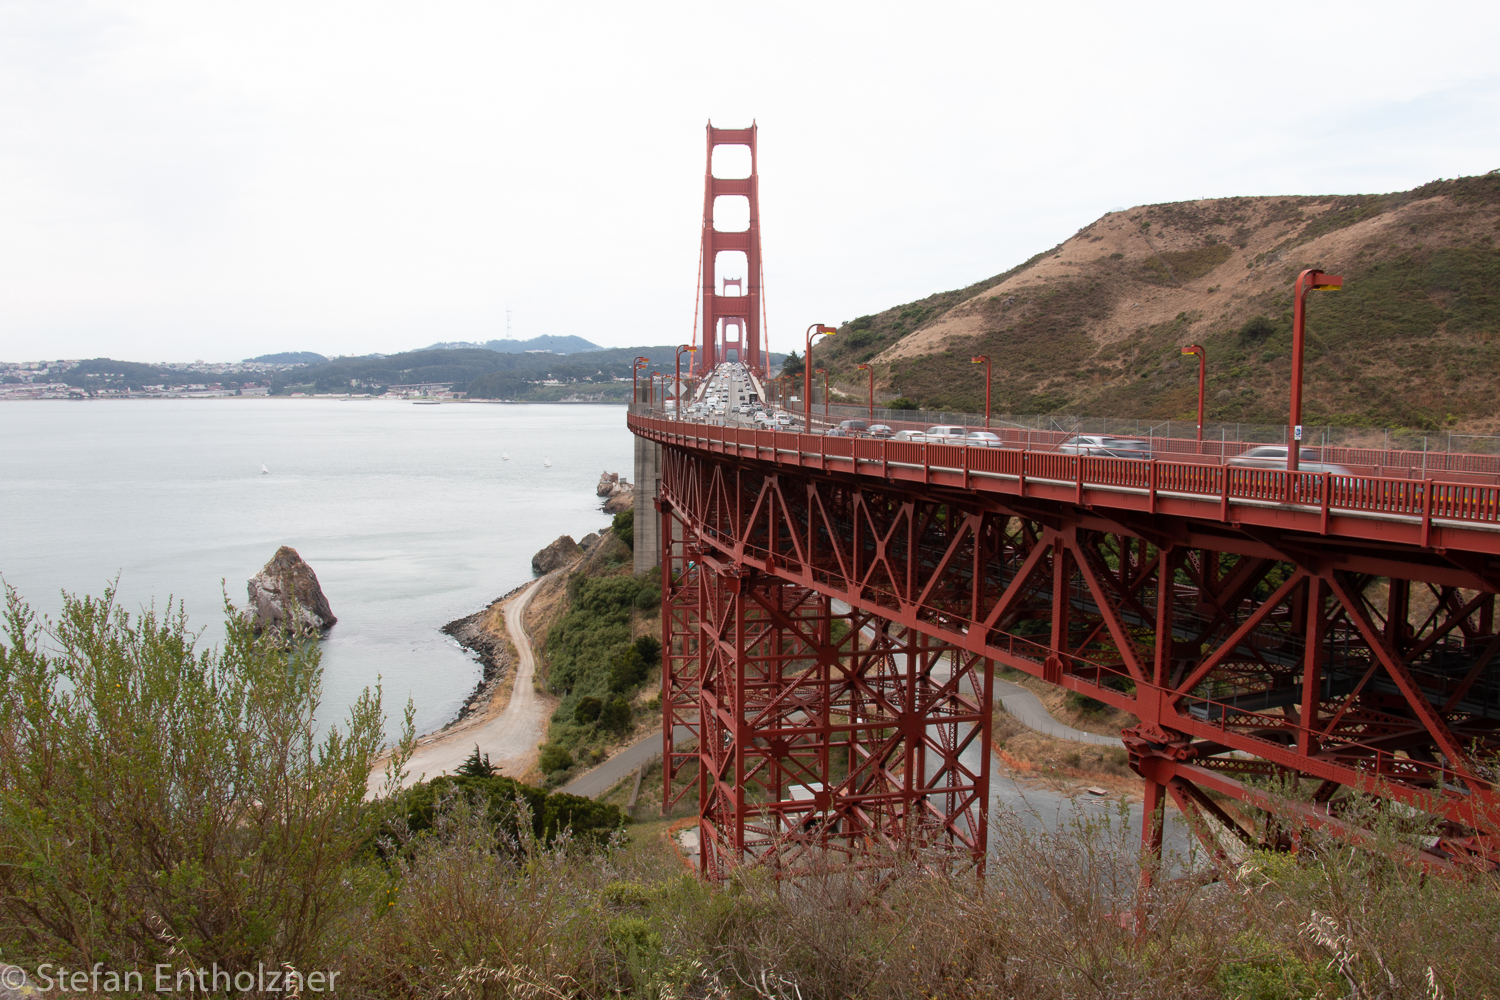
(407, 513)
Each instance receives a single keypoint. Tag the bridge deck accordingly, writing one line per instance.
(1430, 513)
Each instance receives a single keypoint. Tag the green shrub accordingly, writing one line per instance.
(624, 527)
(554, 758)
(507, 804)
(617, 716)
(162, 803)
(587, 710)
(903, 403)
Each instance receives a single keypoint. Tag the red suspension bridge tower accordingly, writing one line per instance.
(731, 323)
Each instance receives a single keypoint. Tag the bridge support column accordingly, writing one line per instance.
(647, 487)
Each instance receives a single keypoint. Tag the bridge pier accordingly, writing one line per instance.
(647, 487)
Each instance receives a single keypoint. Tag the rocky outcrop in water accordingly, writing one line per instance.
(285, 595)
(555, 556)
(617, 492)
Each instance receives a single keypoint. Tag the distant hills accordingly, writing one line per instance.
(555, 345)
(287, 358)
(602, 374)
(1095, 325)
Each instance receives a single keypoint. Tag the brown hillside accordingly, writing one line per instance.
(1095, 325)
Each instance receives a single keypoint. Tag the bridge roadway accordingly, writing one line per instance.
(1262, 642)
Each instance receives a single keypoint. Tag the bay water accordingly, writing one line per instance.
(408, 514)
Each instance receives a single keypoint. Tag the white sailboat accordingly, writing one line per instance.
(546, 463)
(263, 470)
(504, 457)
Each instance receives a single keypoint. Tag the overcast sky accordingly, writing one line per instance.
(219, 180)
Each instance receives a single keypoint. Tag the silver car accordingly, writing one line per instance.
(1105, 446)
(915, 437)
(947, 434)
(1274, 456)
(984, 439)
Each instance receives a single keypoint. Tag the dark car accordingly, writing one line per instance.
(854, 427)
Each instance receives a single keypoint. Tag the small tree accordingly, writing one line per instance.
(475, 766)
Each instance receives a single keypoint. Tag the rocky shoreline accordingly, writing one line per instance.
(493, 650)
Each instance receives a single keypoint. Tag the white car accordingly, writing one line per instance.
(1274, 456)
(783, 420)
(947, 434)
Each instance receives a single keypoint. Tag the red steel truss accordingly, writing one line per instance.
(1250, 640)
(813, 733)
(731, 321)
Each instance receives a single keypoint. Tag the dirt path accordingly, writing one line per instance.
(510, 737)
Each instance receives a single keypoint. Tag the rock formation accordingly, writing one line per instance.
(556, 555)
(617, 492)
(287, 587)
(588, 541)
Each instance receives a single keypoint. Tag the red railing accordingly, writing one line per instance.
(1391, 498)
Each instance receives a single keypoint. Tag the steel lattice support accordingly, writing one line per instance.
(825, 734)
(681, 658)
(1346, 669)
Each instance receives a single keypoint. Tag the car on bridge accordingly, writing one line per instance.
(854, 428)
(1105, 446)
(947, 434)
(881, 431)
(914, 437)
(1274, 456)
(984, 439)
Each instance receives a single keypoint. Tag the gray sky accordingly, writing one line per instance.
(213, 180)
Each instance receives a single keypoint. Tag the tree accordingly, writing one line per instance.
(617, 717)
(476, 767)
(587, 710)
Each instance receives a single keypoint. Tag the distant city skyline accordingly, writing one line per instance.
(182, 181)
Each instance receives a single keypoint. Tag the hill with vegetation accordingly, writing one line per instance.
(554, 345)
(482, 373)
(1095, 325)
(288, 358)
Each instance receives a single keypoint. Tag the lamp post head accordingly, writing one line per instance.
(979, 360)
(821, 371)
(1193, 349)
(867, 367)
(1319, 282)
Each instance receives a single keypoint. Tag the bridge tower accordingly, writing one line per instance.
(731, 323)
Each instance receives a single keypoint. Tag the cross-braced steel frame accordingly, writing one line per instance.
(1336, 670)
(815, 735)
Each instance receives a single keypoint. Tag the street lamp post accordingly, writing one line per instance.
(824, 372)
(871, 370)
(651, 387)
(677, 375)
(1202, 380)
(1310, 280)
(986, 359)
(817, 329)
(635, 378)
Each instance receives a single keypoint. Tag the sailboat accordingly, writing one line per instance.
(546, 463)
(263, 470)
(504, 457)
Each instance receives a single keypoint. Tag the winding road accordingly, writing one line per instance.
(510, 738)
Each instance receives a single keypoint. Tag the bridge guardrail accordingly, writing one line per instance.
(1377, 496)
